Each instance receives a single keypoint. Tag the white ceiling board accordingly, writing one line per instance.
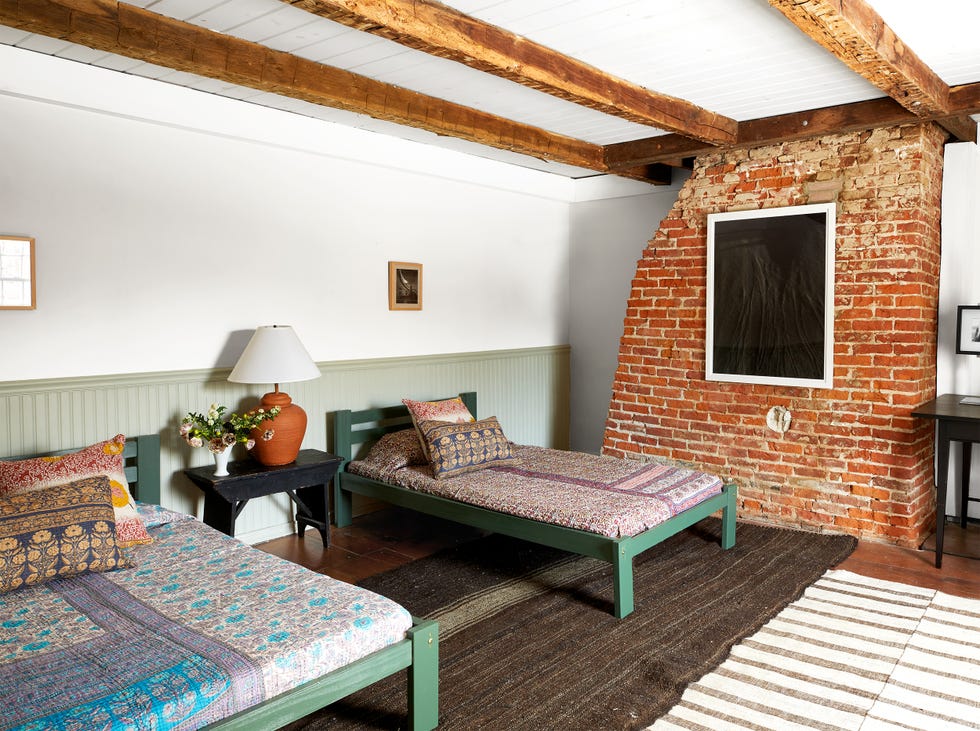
(945, 35)
(12, 36)
(740, 58)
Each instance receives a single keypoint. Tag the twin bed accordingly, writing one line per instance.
(202, 630)
(601, 507)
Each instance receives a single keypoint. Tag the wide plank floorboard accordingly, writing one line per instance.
(390, 537)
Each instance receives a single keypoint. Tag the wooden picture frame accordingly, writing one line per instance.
(18, 273)
(968, 330)
(404, 285)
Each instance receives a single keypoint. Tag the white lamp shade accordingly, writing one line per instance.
(274, 355)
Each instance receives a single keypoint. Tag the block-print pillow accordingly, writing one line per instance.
(456, 449)
(58, 531)
(451, 409)
(104, 458)
(396, 450)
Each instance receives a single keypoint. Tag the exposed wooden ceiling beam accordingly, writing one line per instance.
(771, 130)
(443, 31)
(857, 35)
(133, 32)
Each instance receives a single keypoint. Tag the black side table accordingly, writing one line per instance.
(306, 481)
(955, 422)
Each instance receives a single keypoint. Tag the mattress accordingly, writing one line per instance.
(605, 495)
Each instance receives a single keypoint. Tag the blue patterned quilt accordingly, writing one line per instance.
(202, 627)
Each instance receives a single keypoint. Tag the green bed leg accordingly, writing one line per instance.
(728, 518)
(622, 583)
(342, 504)
(423, 677)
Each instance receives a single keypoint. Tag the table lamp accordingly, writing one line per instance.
(275, 355)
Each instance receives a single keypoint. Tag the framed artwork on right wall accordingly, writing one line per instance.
(968, 330)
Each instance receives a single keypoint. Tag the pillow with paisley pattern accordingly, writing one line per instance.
(396, 450)
(456, 449)
(56, 532)
(104, 458)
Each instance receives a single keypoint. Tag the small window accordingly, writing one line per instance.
(17, 272)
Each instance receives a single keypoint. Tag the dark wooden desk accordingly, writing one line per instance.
(955, 422)
(306, 481)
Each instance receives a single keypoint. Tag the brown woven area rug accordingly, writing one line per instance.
(528, 641)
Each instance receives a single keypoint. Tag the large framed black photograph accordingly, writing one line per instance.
(770, 296)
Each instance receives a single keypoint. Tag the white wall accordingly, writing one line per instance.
(169, 223)
(959, 284)
(608, 236)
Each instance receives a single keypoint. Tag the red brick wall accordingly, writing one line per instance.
(853, 460)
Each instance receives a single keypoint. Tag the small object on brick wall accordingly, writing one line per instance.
(778, 419)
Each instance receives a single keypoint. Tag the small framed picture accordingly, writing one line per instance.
(17, 273)
(404, 286)
(968, 330)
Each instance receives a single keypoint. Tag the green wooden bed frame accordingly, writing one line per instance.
(362, 428)
(418, 652)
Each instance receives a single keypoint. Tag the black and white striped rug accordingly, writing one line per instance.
(851, 653)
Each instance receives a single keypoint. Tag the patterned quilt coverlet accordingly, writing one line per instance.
(605, 495)
(202, 627)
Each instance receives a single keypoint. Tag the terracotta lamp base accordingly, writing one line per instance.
(289, 426)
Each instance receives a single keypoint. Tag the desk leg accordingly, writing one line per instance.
(942, 477)
(311, 510)
(219, 513)
(965, 482)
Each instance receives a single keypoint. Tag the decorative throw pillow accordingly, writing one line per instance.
(396, 450)
(57, 532)
(456, 449)
(451, 409)
(104, 458)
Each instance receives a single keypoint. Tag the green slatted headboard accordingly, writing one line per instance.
(142, 459)
(361, 429)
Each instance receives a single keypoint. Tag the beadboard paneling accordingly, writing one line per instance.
(526, 389)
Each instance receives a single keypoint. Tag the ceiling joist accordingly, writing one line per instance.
(853, 32)
(786, 128)
(443, 31)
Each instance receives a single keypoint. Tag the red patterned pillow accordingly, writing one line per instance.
(396, 450)
(452, 410)
(104, 458)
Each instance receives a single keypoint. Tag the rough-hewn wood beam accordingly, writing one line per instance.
(766, 130)
(965, 99)
(857, 35)
(443, 31)
(137, 33)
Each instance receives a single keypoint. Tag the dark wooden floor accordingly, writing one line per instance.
(390, 537)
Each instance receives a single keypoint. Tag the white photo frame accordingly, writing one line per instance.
(770, 296)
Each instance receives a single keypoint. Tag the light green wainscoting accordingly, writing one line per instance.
(526, 389)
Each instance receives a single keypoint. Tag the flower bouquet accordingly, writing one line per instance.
(218, 432)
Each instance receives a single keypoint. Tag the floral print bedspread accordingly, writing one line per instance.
(203, 627)
(605, 495)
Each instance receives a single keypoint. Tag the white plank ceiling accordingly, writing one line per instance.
(738, 58)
